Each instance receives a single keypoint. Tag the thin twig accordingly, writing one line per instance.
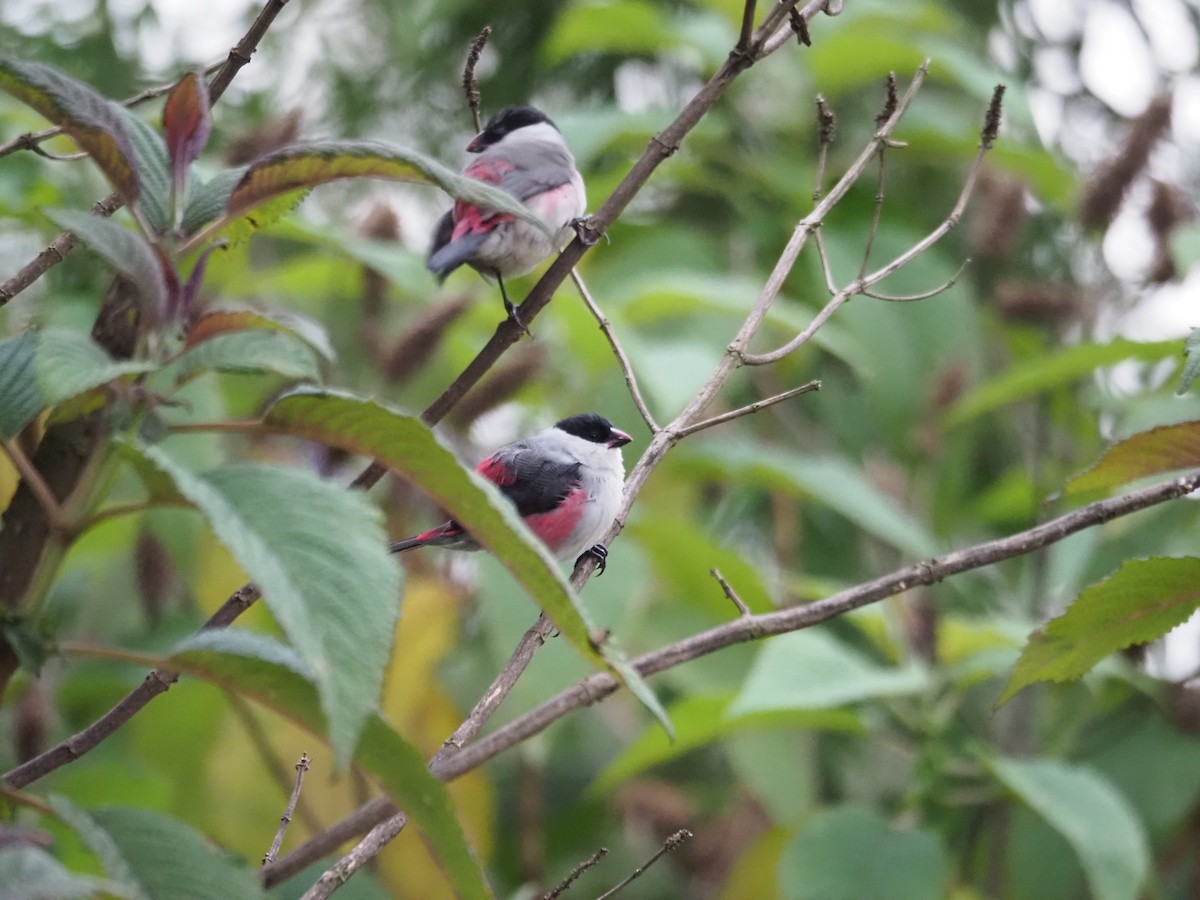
(622, 360)
(575, 873)
(600, 685)
(37, 485)
(31, 139)
(909, 298)
(748, 25)
(286, 818)
(730, 593)
(58, 249)
(469, 85)
(750, 408)
(366, 850)
(877, 213)
(675, 840)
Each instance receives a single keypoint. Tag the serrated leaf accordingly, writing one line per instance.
(1191, 365)
(1144, 600)
(207, 199)
(166, 858)
(100, 842)
(407, 446)
(256, 350)
(702, 720)
(258, 666)
(32, 872)
(224, 321)
(43, 368)
(93, 121)
(186, 126)
(849, 853)
(304, 166)
(812, 670)
(1154, 452)
(153, 170)
(126, 251)
(1050, 371)
(1091, 814)
(318, 554)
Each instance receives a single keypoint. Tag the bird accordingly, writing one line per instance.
(521, 151)
(565, 482)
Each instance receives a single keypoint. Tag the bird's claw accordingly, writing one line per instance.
(512, 314)
(598, 552)
(586, 231)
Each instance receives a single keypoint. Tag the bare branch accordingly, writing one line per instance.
(622, 360)
(678, 838)
(748, 24)
(37, 485)
(286, 818)
(575, 873)
(469, 85)
(908, 298)
(358, 822)
(750, 408)
(877, 213)
(730, 593)
(366, 850)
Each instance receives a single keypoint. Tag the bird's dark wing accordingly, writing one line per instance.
(534, 482)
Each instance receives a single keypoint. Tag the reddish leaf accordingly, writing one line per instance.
(1163, 449)
(186, 126)
(95, 123)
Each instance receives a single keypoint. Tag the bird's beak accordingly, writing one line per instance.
(475, 146)
(619, 438)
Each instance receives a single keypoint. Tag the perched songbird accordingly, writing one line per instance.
(565, 481)
(521, 151)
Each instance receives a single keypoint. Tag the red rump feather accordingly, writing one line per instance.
(495, 471)
(555, 527)
(470, 219)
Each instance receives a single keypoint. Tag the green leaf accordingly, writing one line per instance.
(407, 446)
(256, 350)
(124, 250)
(319, 555)
(42, 368)
(615, 26)
(93, 121)
(258, 666)
(1153, 452)
(1054, 370)
(99, 841)
(31, 872)
(1191, 366)
(226, 320)
(812, 670)
(851, 853)
(163, 857)
(207, 200)
(1144, 600)
(153, 170)
(1094, 817)
(834, 482)
(702, 720)
(304, 166)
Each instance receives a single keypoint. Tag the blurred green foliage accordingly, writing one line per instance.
(864, 758)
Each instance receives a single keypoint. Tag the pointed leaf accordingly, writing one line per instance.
(224, 321)
(258, 666)
(1153, 452)
(43, 368)
(408, 447)
(850, 853)
(318, 554)
(124, 250)
(1191, 365)
(1091, 814)
(99, 841)
(32, 872)
(256, 350)
(186, 126)
(1144, 600)
(1051, 371)
(303, 166)
(154, 172)
(166, 858)
(814, 670)
(93, 121)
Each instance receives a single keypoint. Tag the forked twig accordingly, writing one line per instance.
(677, 839)
(286, 818)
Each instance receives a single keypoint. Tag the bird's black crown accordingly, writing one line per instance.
(509, 120)
(589, 426)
